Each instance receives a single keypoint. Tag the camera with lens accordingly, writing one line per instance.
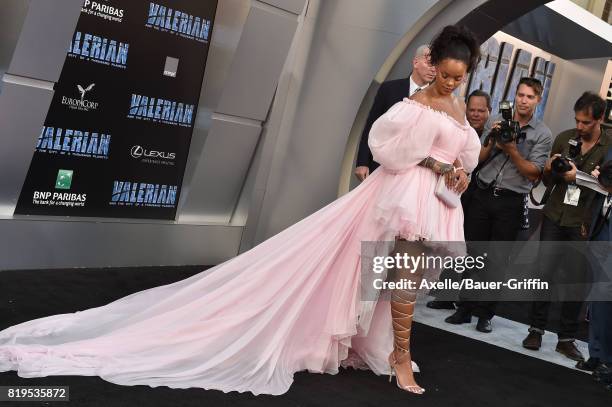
(561, 165)
(509, 130)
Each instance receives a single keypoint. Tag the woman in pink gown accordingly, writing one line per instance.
(293, 302)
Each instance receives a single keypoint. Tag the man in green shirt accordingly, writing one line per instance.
(567, 217)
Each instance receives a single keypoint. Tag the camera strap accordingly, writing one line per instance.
(491, 184)
(547, 193)
(488, 160)
(500, 171)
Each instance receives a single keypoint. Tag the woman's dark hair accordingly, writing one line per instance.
(456, 42)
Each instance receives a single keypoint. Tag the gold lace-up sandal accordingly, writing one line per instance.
(402, 310)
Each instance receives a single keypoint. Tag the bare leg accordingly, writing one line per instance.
(402, 310)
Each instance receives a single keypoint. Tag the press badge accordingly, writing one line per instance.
(572, 195)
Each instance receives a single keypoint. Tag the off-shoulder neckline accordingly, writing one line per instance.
(440, 112)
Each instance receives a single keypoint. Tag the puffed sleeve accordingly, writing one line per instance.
(470, 152)
(402, 137)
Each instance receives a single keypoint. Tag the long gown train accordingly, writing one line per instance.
(291, 303)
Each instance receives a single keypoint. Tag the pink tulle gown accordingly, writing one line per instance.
(291, 303)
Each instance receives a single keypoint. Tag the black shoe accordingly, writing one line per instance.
(602, 372)
(459, 317)
(435, 304)
(484, 325)
(590, 365)
(569, 350)
(606, 380)
(533, 341)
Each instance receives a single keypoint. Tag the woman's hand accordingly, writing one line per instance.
(462, 181)
(362, 172)
(456, 180)
(450, 179)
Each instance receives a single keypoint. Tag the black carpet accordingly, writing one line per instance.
(457, 371)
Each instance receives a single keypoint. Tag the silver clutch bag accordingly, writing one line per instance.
(450, 198)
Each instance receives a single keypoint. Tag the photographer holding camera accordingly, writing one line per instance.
(600, 308)
(567, 215)
(512, 157)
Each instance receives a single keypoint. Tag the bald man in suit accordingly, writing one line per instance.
(389, 93)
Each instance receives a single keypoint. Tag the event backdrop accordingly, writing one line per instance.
(117, 134)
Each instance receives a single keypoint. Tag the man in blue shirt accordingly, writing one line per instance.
(507, 172)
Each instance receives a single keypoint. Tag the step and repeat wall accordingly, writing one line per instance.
(116, 137)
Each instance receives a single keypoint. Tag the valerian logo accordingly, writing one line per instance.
(161, 110)
(80, 143)
(129, 193)
(105, 51)
(178, 22)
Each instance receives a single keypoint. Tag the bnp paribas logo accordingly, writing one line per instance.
(102, 10)
(64, 179)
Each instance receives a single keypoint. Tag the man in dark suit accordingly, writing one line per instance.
(600, 324)
(388, 94)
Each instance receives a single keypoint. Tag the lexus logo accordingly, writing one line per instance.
(140, 152)
(137, 151)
